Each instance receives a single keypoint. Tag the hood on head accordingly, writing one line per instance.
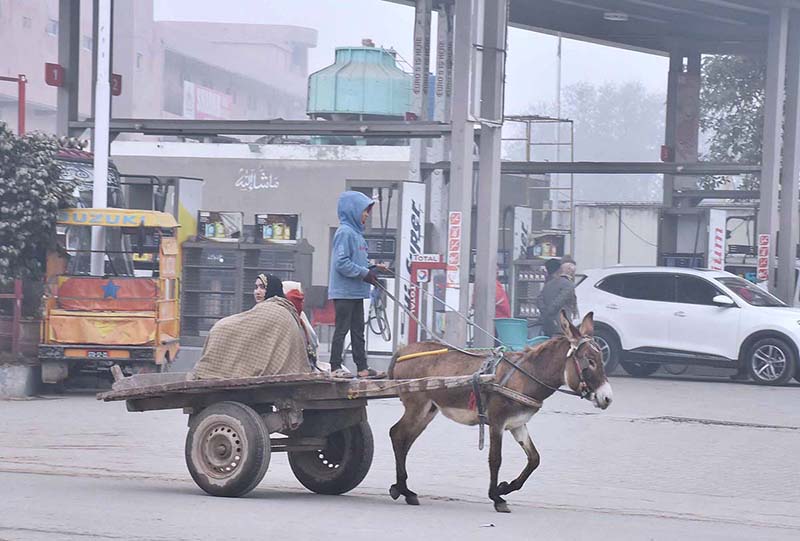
(351, 205)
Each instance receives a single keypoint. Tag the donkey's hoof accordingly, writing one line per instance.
(503, 488)
(412, 499)
(501, 507)
(394, 492)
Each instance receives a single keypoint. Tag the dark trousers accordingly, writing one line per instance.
(349, 318)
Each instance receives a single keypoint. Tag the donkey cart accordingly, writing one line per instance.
(236, 424)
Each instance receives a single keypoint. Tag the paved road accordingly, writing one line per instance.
(671, 459)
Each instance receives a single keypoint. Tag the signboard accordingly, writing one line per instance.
(716, 239)
(412, 232)
(277, 228)
(523, 223)
(762, 270)
(422, 25)
(202, 103)
(116, 84)
(220, 226)
(54, 74)
(453, 258)
(427, 258)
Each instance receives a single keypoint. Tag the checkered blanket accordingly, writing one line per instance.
(263, 341)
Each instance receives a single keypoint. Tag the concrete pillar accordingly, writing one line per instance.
(461, 162)
(69, 36)
(417, 147)
(682, 140)
(671, 122)
(669, 222)
(773, 140)
(493, 62)
(419, 85)
(439, 150)
(687, 123)
(790, 173)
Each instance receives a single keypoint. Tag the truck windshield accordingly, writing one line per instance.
(119, 254)
(749, 292)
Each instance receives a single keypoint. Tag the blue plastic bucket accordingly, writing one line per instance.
(513, 333)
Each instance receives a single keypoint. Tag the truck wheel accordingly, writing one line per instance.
(227, 449)
(640, 370)
(771, 362)
(340, 466)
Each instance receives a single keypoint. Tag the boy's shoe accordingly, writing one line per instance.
(342, 373)
(371, 373)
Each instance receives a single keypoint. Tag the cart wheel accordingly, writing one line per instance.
(227, 449)
(340, 466)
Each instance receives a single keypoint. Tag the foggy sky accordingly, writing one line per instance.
(531, 66)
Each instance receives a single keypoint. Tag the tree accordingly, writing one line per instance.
(615, 122)
(612, 122)
(732, 110)
(31, 193)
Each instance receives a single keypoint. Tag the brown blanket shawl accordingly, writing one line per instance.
(263, 341)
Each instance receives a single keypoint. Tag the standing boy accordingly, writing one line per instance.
(349, 282)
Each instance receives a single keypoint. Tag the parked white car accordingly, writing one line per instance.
(649, 316)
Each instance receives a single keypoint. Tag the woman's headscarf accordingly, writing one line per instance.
(294, 293)
(273, 287)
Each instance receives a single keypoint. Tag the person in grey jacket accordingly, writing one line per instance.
(349, 282)
(558, 294)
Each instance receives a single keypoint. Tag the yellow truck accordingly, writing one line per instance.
(127, 317)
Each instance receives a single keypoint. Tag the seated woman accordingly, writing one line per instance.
(293, 291)
(266, 340)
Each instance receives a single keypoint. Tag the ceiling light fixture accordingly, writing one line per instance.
(616, 16)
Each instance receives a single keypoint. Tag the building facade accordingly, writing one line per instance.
(169, 69)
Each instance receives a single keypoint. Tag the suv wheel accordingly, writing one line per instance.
(771, 361)
(640, 370)
(609, 345)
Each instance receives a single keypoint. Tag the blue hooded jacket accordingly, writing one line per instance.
(349, 258)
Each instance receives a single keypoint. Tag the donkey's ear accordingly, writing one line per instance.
(570, 331)
(587, 325)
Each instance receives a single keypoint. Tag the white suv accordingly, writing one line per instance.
(648, 316)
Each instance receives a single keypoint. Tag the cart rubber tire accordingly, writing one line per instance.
(227, 449)
(338, 468)
(640, 370)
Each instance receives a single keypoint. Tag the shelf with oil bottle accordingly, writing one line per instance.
(279, 228)
(536, 274)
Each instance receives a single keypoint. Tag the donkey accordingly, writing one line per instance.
(537, 373)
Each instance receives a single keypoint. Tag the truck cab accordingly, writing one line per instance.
(129, 315)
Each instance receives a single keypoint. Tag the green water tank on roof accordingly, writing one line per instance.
(364, 82)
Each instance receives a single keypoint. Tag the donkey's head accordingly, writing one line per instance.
(584, 371)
